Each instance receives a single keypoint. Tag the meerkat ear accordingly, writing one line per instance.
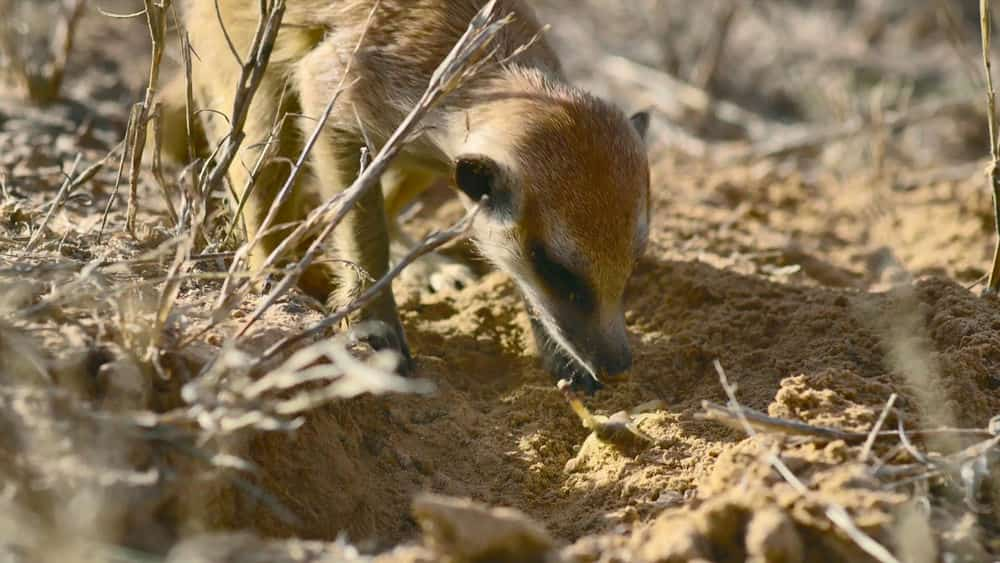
(640, 120)
(477, 176)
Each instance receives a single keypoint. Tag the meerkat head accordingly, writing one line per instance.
(566, 179)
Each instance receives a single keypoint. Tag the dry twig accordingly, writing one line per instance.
(790, 140)
(866, 450)
(834, 512)
(707, 70)
(251, 74)
(128, 143)
(734, 418)
(60, 198)
(430, 243)
(156, 20)
(986, 25)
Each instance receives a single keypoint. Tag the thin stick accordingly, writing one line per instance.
(798, 139)
(866, 450)
(171, 288)
(251, 75)
(189, 111)
(957, 41)
(225, 33)
(76, 290)
(834, 512)
(156, 20)
(951, 462)
(985, 22)
(60, 198)
(909, 447)
(68, 265)
(91, 171)
(62, 46)
(708, 66)
(430, 243)
(267, 151)
(761, 422)
(128, 142)
(158, 162)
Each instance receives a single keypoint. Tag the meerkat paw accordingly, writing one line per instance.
(383, 335)
(377, 325)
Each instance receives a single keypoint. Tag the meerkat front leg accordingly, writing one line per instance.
(266, 109)
(362, 239)
(402, 184)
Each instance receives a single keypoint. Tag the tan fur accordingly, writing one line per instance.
(575, 165)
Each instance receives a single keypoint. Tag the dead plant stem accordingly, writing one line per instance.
(60, 198)
(156, 20)
(430, 243)
(837, 514)
(985, 21)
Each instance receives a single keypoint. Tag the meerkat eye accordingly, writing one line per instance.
(640, 120)
(478, 176)
(475, 175)
(561, 280)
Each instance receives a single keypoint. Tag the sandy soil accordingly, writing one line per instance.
(820, 286)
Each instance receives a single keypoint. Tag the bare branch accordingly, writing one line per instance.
(733, 417)
(866, 450)
(430, 243)
(251, 75)
(834, 512)
(986, 26)
(156, 20)
(60, 198)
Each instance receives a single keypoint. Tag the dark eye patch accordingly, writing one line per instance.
(561, 280)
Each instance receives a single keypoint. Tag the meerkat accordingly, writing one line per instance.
(565, 173)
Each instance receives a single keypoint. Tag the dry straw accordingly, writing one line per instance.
(986, 26)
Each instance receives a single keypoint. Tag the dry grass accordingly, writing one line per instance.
(986, 19)
(80, 427)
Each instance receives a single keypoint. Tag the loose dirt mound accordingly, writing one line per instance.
(820, 291)
(497, 430)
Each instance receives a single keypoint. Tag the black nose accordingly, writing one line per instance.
(615, 362)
